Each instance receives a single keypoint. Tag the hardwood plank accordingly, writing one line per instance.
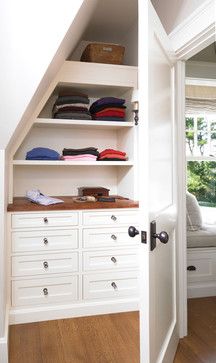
(111, 338)
(200, 344)
(25, 344)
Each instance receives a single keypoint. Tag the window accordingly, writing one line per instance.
(201, 135)
(201, 154)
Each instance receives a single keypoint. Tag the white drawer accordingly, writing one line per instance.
(48, 240)
(28, 220)
(44, 291)
(44, 264)
(110, 218)
(110, 285)
(203, 269)
(108, 237)
(108, 260)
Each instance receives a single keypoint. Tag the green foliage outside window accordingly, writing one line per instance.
(201, 181)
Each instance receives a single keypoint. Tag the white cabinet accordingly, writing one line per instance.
(73, 266)
(62, 256)
(201, 272)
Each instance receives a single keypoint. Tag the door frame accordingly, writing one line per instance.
(194, 34)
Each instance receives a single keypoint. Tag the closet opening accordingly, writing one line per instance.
(200, 143)
(78, 263)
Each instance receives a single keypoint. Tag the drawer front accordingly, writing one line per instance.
(44, 264)
(28, 220)
(110, 285)
(201, 269)
(108, 237)
(44, 291)
(106, 260)
(113, 218)
(41, 241)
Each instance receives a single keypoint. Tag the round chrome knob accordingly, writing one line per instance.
(45, 264)
(114, 237)
(45, 291)
(113, 259)
(113, 284)
(162, 236)
(45, 220)
(45, 240)
(114, 218)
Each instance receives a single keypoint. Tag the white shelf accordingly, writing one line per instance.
(201, 158)
(71, 163)
(44, 122)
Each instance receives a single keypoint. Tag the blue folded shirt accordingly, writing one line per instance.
(42, 153)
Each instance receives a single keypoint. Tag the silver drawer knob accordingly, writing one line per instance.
(45, 220)
(45, 291)
(46, 265)
(114, 237)
(45, 240)
(113, 284)
(114, 218)
(113, 259)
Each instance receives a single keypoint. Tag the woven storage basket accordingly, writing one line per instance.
(103, 53)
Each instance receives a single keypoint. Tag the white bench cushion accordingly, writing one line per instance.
(205, 237)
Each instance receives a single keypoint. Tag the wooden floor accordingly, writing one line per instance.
(99, 339)
(110, 338)
(200, 344)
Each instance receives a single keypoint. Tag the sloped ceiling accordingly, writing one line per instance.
(173, 12)
(206, 55)
(111, 19)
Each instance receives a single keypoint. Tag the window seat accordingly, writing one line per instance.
(205, 237)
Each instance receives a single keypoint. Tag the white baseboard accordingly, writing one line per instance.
(201, 290)
(4, 341)
(35, 314)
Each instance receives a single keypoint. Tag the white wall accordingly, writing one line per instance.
(31, 34)
(172, 13)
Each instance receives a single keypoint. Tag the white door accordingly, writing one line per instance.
(157, 190)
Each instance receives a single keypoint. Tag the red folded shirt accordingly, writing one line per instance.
(112, 156)
(110, 113)
(112, 151)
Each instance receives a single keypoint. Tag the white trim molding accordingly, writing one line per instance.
(196, 32)
(35, 314)
(181, 229)
(4, 341)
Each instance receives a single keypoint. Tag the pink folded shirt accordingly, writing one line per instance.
(83, 157)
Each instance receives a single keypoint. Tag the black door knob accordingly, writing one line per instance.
(132, 231)
(162, 236)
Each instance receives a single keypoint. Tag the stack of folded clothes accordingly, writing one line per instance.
(112, 155)
(42, 153)
(84, 154)
(71, 105)
(108, 109)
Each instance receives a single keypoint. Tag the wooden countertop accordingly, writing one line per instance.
(21, 204)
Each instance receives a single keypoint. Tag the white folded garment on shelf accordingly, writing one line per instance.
(36, 196)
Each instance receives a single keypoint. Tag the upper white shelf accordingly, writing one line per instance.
(82, 123)
(71, 163)
(96, 74)
(201, 158)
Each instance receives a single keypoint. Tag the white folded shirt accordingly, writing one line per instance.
(36, 196)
